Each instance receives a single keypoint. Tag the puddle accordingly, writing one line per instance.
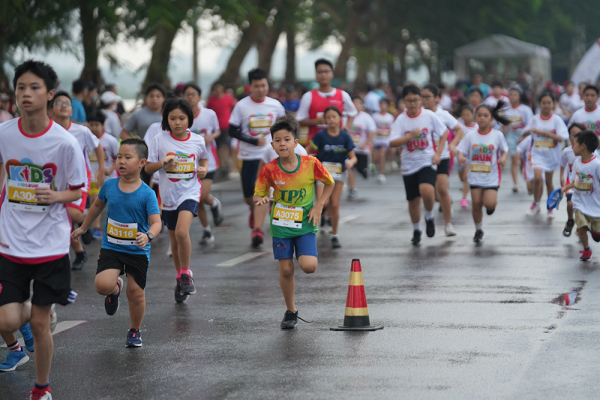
(570, 298)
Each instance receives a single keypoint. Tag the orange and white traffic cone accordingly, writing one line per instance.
(357, 312)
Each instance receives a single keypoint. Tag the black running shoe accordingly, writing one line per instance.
(335, 242)
(217, 212)
(179, 296)
(290, 318)
(430, 230)
(87, 236)
(187, 284)
(416, 237)
(80, 259)
(478, 236)
(568, 228)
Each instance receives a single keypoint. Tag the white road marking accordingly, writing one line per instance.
(349, 218)
(60, 327)
(242, 258)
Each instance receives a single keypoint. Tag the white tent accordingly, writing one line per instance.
(588, 68)
(501, 47)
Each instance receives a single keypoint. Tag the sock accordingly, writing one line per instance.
(184, 271)
(207, 229)
(479, 226)
(417, 226)
(215, 202)
(535, 203)
(14, 347)
(37, 385)
(490, 212)
(134, 330)
(333, 236)
(428, 214)
(179, 273)
(119, 290)
(588, 249)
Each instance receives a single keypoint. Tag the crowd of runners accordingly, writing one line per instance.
(76, 166)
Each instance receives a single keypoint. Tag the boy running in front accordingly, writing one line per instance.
(294, 219)
(566, 161)
(133, 222)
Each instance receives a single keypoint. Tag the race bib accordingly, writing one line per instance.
(287, 216)
(583, 184)
(334, 169)
(356, 138)
(384, 131)
(303, 135)
(183, 170)
(119, 233)
(321, 115)
(21, 196)
(481, 167)
(92, 157)
(259, 125)
(544, 142)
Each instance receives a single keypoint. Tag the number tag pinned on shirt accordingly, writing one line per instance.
(545, 143)
(21, 196)
(334, 169)
(183, 170)
(477, 167)
(120, 233)
(287, 216)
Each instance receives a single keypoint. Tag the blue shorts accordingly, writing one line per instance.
(170, 216)
(569, 195)
(305, 245)
(512, 139)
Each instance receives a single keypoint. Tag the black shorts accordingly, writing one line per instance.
(223, 138)
(444, 167)
(362, 164)
(170, 217)
(210, 175)
(134, 265)
(248, 175)
(412, 182)
(484, 188)
(51, 282)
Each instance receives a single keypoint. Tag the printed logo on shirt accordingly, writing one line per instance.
(336, 148)
(185, 168)
(593, 125)
(584, 183)
(355, 132)
(419, 143)
(260, 124)
(481, 157)
(293, 196)
(23, 178)
(201, 132)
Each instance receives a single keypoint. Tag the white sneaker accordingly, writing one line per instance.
(53, 318)
(551, 214)
(380, 178)
(169, 253)
(534, 209)
(450, 230)
(515, 189)
(395, 166)
(352, 194)
(45, 395)
(207, 237)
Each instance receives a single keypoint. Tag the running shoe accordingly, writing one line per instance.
(585, 255)
(111, 302)
(187, 284)
(257, 237)
(515, 188)
(251, 218)
(464, 203)
(53, 318)
(595, 236)
(430, 229)
(13, 360)
(80, 259)
(416, 237)
(217, 211)
(335, 242)
(134, 338)
(478, 236)
(551, 214)
(534, 209)
(529, 192)
(97, 233)
(380, 178)
(27, 336)
(207, 237)
(568, 228)
(39, 394)
(290, 318)
(450, 230)
(352, 194)
(87, 237)
(169, 252)
(179, 296)
(395, 166)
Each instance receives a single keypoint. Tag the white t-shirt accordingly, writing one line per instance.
(30, 229)
(417, 153)
(112, 125)
(270, 153)
(151, 133)
(545, 152)
(519, 117)
(482, 152)
(525, 149)
(567, 159)
(492, 101)
(585, 176)
(362, 126)
(450, 122)
(88, 142)
(572, 102)
(446, 102)
(466, 129)
(181, 183)
(349, 109)
(372, 100)
(589, 119)
(384, 123)
(255, 120)
(110, 146)
(205, 124)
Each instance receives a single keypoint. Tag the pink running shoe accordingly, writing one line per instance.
(585, 255)
(464, 203)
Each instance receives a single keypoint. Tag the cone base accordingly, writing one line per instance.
(358, 328)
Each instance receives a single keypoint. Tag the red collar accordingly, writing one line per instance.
(36, 135)
(420, 111)
(585, 162)
(182, 140)
(546, 119)
(481, 133)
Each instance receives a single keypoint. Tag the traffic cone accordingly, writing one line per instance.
(357, 312)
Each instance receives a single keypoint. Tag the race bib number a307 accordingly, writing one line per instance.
(120, 233)
(287, 216)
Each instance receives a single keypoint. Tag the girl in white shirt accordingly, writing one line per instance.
(468, 124)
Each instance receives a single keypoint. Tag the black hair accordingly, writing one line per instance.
(497, 83)
(58, 94)
(257, 74)
(576, 125)
(332, 108)
(591, 87)
(322, 61)
(496, 112)
(216, 83)
(547, 93)
(442, 86)
(286, 123)
(96, 116)
(385, 100)
(435, 91)
(109, 86)
(155, 86)
(410, 89)
(467, 107)
(476, 90)
(141, 148)
(38, 68)
(176, 103)
(193, 86)
(589, 139)
(78, 86)
(359, 98)
(91, 86)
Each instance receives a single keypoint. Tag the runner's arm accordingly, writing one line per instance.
(236, 132)
(125, 134)
(562, 176)
(93, 213)
(101, 171)
(459, 133)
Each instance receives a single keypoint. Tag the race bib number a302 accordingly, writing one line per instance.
(120, 233)
(21, 196)
(287, 216)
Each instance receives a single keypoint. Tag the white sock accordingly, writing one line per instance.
(215, 202)
(417, 226)
(479, 226)
(428, 214)
(207, 229)
(333, 236)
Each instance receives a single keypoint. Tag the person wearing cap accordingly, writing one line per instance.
(108, 104)
(4, 103)
(112, 87)
(80, 91)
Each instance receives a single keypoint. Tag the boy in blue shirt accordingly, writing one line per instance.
(133, 222)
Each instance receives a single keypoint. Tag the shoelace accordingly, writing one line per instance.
(31, 394)
(302, 319)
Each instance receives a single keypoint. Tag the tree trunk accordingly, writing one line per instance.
(290, 57)
(341, 65)
(161, 53)
(195, 38)
(231, 75)
(268, 43)
(89, 39)
(402, 55)
(3, 36)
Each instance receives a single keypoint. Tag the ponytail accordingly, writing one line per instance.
(495, 111)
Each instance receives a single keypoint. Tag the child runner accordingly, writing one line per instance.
(110, 147)
(518, 115)
(589, 115)
(585, 181)
(475, 98)
(569, 101)
(487, 150)
(207, 125)
(133, 222)
(566, 161)
(381, 143)
(468, 124)
(88, 143)
(524, 149)
(181, 157)
(362, 131)
(497, 95)
(335, 150)
(44, 170)
(416, 131)
(294, 219)
(548, 130)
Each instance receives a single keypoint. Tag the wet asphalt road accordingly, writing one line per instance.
(461, 321)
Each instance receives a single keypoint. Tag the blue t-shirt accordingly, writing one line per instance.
(125, 210)
(78, 110)
(333, 149)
